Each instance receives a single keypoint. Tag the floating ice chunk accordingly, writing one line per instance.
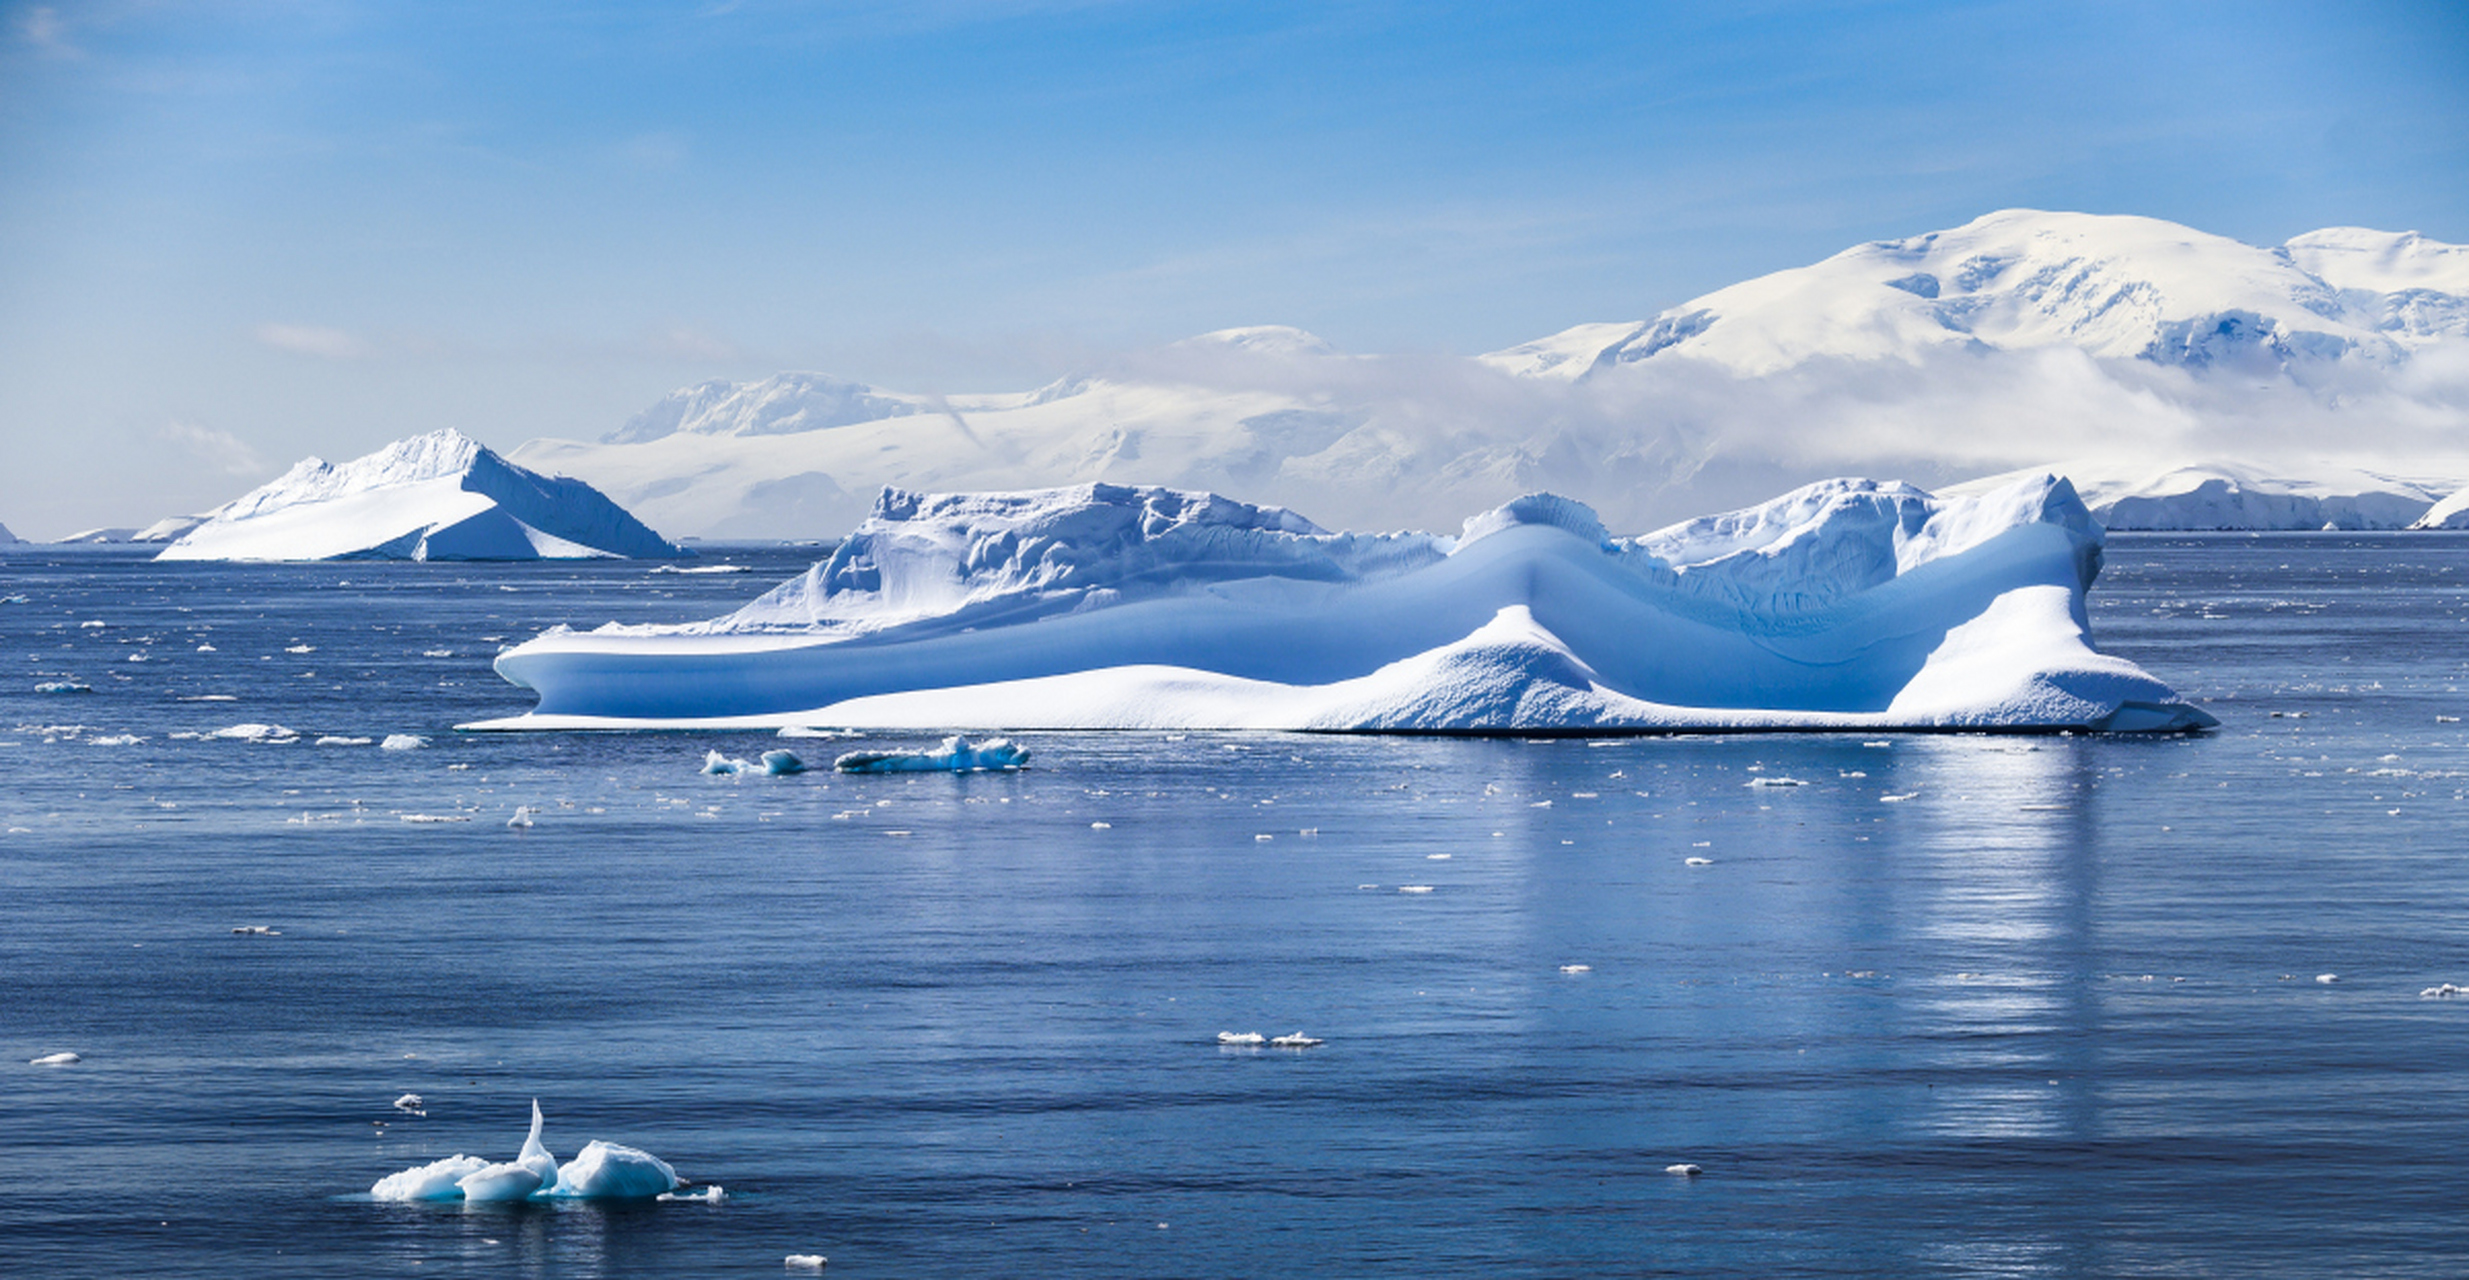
(705, 568)
(805, 1262)
(337, 740)
(535, 1155)
(609, 1171)
(957, 755)
(1293, 1040)
(1241, 1037)
(522, 817)
(257, 930)
(115, 740)
(1777, 782)
(300, 648)
(1908, 795)
(437, 817)
(2444, 992)
(439, 1180)
(54, 1060)
(408, 1102)
(403, 742)
(708, 1195)
(780, 764)
(1697, 862)
(1577, 968)
(437, 653)
(498, 1183)
(1414, 888)
(1101, 826)
(63, 686)
(720, 765)
(254, 732)
(1683, 1170)
(2327, 978)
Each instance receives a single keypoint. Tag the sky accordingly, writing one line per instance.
(235, 234)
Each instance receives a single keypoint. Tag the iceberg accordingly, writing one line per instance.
(601, 1171)
(1843, 605)
(440, 496)
(2451, 513)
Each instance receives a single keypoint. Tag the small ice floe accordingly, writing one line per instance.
(705, 568)
(1683, 1170)
(206, 648)
(1908, 795)
(805, 1262)
(409, 1102)
(437, 653)
(437, 817)
(1437, 857)
(1293, 1040)
(522, 819)
(254, 732)
(209, 697)
(1263, 838)
(54, 1060)
(601, 1171)
(1101, 826)
(338, 740)
(2327, 978)
(257, 930)
(719, 765)
(780, 764)
(403, 742)
(1241, 1038)
(300, 648)
(1880, 743)
(1577, 968)
(1414, 888)
(708, 1195)
(957, 755)
(2445, 991)
(115, 740)
(1697, 862)
(1776, 782)
(12, 600)
(64, 686)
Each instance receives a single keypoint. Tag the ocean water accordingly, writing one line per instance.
(1948, 1006)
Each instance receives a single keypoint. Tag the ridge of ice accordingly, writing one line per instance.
(439, 496)
(1843, 604)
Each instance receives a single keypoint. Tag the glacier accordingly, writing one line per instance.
(1844, 605)
(439, 496)
(2112, 349)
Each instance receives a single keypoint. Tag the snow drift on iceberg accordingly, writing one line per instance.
(441, 496)
(1849, 604)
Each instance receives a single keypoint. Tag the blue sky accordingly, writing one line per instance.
(232, 234)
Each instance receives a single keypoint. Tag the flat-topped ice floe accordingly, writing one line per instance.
(1844, 605)
(440, 496)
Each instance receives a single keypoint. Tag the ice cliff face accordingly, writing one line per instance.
(2115, 287)
(1846, 604)
(440, 496)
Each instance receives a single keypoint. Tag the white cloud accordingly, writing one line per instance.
(220, 450)
(311, 340)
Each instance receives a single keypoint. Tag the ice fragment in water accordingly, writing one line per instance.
(2327, 978)
(805, 1262)
(1698, 862)
(780, 764)
(718, 764)
(54, 1060)
(708, 1195)
(2443, 992)
(1683, 1170)
(63, 686)
(1241, 1037)
(337, 740)
(408, 1102)
(402, 742)
(1777, 782)
(1293, 1040)
(439, 1180)
(1577, 968)
(957, 755)
(609, 1171)
(522, 817)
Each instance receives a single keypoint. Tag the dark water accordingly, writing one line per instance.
(2051, 1012)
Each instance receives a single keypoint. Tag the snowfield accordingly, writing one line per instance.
(2324, 381)
(1849, 604)
(439, 496)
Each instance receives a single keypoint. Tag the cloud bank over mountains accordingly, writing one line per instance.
(2119, 349)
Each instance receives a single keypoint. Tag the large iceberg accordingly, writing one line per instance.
(1849, 604)
(441, 496)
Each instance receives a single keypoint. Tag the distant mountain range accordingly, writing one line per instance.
(2183, 379)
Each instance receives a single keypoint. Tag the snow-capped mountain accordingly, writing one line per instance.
(440, 496)
(2331, 371)
(2113, 287)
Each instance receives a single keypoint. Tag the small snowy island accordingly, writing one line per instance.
(440, 496)
(1847, 605)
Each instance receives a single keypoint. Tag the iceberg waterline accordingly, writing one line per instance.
(1848, 604)
(601, 1171)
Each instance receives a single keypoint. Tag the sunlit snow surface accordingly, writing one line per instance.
(1850, 604)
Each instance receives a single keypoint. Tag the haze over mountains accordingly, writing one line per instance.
(2144, 358)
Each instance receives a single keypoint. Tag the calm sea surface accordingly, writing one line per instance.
(1955, 1006)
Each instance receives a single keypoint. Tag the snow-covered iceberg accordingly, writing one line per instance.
(1849, 604)
(2451, 513)
(441, 496)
